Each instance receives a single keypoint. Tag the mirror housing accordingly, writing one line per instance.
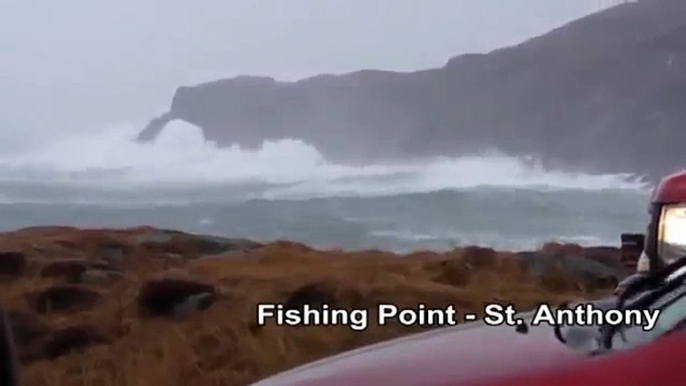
(633, 245)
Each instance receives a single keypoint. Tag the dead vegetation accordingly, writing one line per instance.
(182, 308)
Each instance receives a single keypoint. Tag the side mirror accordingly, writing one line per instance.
(633, 245)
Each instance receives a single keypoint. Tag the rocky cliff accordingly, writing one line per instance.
(605, 93)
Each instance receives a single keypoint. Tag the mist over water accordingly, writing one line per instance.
(109, 167)
(287, 190)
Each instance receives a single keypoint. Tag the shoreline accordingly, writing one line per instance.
(156, 306)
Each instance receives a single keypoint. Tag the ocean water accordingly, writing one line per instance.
(287, 190)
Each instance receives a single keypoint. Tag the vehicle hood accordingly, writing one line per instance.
(466, 353)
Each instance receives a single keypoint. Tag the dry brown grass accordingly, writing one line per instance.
(222, 345)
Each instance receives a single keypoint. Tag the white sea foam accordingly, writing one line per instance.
(180, 159)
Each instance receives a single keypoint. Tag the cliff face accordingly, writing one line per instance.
(606, 93)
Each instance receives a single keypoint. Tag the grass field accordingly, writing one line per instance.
(109, 326)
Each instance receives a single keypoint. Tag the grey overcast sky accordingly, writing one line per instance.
(79, 64)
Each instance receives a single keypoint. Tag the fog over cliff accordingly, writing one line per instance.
(74, 66)
(602, 94)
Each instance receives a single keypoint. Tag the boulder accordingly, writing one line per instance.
(534, 262)
(593, 263)
(72, 270)
(453, 272)
(62, 298)
(30, 334)
(113, 253)
(609, 256)
(69, 244)
(191, 245)
(35, 340)
(12, 264)
(478, 257)
(314, 295)
(73, 338)
(197, 302)
(99, 276)
(172, 296)
(26, 327)
(214, 245)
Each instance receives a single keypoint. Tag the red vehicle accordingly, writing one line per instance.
(656, 364)
(477, 354)
(448, 356)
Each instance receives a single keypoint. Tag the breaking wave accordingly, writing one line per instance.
(180, 166)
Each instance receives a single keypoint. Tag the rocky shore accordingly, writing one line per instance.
(145, 306)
